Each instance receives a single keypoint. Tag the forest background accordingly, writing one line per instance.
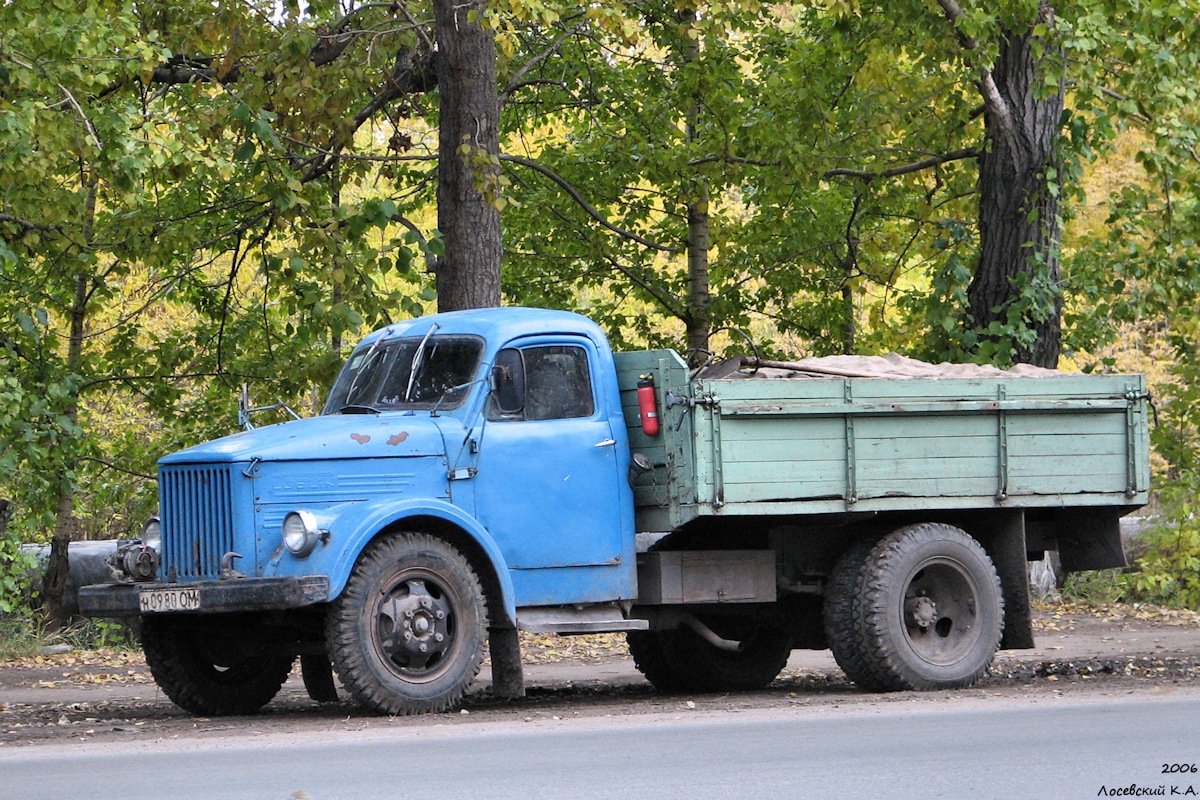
(197, 197)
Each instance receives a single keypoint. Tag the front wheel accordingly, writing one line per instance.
(213, 669)
(407, 634)
(926, 611)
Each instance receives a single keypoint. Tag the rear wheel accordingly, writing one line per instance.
(926, 611)
(212, 669)
(842, 592)
(681, 660)
(754, 651)
(408, 632)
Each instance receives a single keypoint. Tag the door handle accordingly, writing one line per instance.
(605, 443)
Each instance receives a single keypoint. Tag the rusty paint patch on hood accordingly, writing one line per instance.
(397, 438)
(358, 437)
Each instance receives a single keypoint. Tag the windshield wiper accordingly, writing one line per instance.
(366, 362)
(417, 363)
(355, 408)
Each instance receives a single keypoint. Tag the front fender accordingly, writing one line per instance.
(353, 526)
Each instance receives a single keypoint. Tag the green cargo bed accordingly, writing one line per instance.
(757, 443)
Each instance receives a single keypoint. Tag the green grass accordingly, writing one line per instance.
(24, 633)
(1097, 587)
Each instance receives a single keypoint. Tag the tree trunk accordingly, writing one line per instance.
(1016, 282)
(66, 526)
(468, 275)
(699, 314)
(699, 322)
(849, 272)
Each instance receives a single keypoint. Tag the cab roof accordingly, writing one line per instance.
(496, 325)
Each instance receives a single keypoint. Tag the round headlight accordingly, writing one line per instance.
(300, 533)
(152, 533)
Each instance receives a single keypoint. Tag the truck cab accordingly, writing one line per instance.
(496, 434)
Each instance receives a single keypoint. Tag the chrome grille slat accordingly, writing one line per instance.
(197, 519)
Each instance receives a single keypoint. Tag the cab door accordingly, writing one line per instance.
(547, 486)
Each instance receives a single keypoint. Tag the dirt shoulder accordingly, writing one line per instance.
(1083, 653)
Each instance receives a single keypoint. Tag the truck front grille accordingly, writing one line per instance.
(197, 520)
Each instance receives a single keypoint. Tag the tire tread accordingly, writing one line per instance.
(348, 652)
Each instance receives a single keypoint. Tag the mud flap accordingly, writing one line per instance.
(508, 676)
(1002, 534)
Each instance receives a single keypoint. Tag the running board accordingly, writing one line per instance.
(566, 620)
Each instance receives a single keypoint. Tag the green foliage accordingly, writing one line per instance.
(1096, 587)
(100, 634)
(16, 569)
(174, 226)
(803, 111)
(750, 113)
(24, 634)
(1168, 573)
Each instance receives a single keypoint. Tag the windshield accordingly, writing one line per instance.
(409, 373)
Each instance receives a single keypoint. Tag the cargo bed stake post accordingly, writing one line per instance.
(718, 467)
(1002, 455)
(1133, 395)
(851, 460)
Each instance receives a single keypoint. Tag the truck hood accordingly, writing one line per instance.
(338, 436)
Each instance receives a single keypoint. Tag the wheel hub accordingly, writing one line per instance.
(414, 627)
(921, 611)
(940, 612)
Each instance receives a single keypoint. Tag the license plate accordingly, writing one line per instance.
(151, 601)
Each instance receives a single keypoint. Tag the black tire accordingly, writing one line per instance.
(208, 670)
(681, 660)
(648, 657)
(842, 591)
(929, 610)
(407, 634)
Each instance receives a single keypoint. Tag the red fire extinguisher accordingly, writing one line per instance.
(647, 405)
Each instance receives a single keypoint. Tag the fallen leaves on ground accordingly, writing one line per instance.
(1131, 666)
(1051, 613)
(549, 648)
(83, 667)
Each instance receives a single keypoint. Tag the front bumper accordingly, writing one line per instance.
(216, 597)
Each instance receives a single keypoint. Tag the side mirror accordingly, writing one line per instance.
(508, 382)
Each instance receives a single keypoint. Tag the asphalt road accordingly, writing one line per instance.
(1027, 749)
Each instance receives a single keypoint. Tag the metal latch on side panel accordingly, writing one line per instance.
(463, 473)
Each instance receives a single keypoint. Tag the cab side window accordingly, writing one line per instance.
(557, 385)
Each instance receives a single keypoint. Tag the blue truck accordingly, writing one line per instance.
(478, 473)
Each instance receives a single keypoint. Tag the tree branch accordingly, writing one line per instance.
(414, 72)
(87, 123)
(25, 224)
(987, 82)
(697, 162)
(109, 465)
(515, 82)
(587, 207)
(182, 69)
(867, 176)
